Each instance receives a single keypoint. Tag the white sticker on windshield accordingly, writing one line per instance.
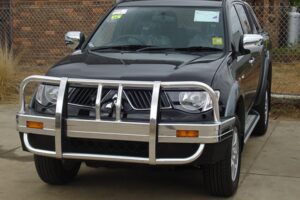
(120, 12)
(207, 16)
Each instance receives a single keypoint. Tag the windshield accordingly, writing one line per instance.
(161, 27)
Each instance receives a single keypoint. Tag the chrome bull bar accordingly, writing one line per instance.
(152, 132)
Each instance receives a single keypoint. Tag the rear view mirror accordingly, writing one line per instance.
(74, 39)
(252, 42)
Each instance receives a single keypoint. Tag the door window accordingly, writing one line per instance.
(255, 20)
(236, 27)
(244, 19)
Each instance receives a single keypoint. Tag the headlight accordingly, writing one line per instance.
(47, 95)
(192, 101)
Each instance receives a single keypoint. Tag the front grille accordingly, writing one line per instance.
(141, 99)
(138, 99)
(84, 96)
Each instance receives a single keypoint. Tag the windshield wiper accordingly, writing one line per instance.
(142, 48)
(186, 49)
(120, 48)
(154, 48)
(198, 48)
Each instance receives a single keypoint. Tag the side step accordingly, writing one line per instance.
(251, 122)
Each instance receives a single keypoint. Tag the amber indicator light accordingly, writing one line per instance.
(35, 125)
(187, 133)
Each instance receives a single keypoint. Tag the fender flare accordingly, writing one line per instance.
(232, 100)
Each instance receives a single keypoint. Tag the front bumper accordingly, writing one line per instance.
(154, 132)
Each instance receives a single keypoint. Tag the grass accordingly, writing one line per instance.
(286, 78)
(8, 66)
(285, 109)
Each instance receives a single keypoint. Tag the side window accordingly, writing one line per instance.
(254, 19)
(244, 19)
(236, 27)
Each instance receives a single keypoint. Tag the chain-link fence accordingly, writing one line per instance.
(283, 25)
(36, 31)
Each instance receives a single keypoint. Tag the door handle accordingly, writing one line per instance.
(252, 60)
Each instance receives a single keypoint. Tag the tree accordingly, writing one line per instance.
(295, 2)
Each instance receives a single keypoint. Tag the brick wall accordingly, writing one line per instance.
(5, 22)
(36, 28)
(39, 26)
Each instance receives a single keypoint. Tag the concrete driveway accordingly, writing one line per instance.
(270, 170)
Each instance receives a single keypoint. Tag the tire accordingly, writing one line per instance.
(54, 171)
(221, 179)
(263, 109)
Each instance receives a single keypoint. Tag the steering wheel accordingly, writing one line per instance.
(127, 37)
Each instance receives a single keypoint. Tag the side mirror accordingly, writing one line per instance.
(252, 43)
(74, 39)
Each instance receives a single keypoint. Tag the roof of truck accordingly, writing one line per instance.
(209, 3)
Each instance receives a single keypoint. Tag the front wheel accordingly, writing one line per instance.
(263, 109)
(54, 171)
(222, 178)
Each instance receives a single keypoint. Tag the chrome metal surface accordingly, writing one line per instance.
(48, 122)
(127, 159)
(252, 61)
(30, 79)
(235, 152)
(73, 39)
(37, 151)
(163, 161)
(153, 123)
(59, 116)
(98, 102)
(251, 122)
(151, 132)
(119, 103)
(208, 132)
(128, 131)
(112, 130)
(267, 108)
(167, 161)
(252, 42)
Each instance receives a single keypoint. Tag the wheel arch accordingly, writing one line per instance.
(236, 107)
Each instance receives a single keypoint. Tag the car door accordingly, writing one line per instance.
(251, 62)
(266, 41)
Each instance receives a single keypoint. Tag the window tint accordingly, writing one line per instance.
(244, 19)
(173, 27)
(235, 22)
(254, 19)
(236, 27)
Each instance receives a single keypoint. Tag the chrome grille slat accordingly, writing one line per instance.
(148, 97)
(137, 101)
(141, 94)
(141, 99)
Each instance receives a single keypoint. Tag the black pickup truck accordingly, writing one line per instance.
(157, 83)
